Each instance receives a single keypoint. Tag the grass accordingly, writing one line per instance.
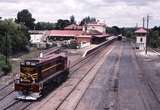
(4, 68)
(24, 56)
(15, 64)
(2, 60)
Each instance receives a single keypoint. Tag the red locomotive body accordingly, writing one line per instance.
(39, 74)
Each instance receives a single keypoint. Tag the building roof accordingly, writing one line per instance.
(96, 24)
(64, 33)
(102, 35)
(37, 31)
(73, 27)
(141, 30)
(92, 32)
(84, 36)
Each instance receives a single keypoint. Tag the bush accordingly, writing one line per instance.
(6, 68)
(2, 60)
(73, 46)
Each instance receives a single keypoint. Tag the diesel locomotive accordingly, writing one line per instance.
(39, 74)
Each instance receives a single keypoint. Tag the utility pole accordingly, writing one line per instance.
(147, 33)
(6, 49)
(136, 25)
(143, 22)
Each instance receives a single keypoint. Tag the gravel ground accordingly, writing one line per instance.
(96, 97)
(150, 64)
(127, 80)
(131, 90)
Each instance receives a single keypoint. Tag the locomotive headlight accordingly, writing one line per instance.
(28, 63)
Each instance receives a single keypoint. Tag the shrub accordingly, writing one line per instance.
(73, 45)
(2, 60)
(6, 68)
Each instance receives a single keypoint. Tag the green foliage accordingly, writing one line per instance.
(45, 26)
(6, 68)
(113, 30)
(25, 17)
(87, 20)
(72, 20)
(129, 34)
(154, 38)
(2, 60)
(62, 23)
(13, 36)
(73, 45)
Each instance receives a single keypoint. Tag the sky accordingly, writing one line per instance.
(123, 13)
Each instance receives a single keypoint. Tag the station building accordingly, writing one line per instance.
(141, 38)
(37, 38)
(92, 33)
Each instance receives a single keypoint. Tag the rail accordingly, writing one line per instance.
(155, 51)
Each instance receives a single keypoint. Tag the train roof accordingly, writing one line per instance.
(43, 59)
(51, 56)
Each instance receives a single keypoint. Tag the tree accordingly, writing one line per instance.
(116, 30)
(129, 34)
(45, 26)
(72, 20)
(154, 37)
(13, 38)
(25, 17)
(87, 20)
(62, 23)
(17, 36)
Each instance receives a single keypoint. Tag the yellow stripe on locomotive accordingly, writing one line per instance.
(29, 77)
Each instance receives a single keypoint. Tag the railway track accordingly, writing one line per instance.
(151, 87)
(6, 90)
(16, 104)
(149, 82)
(147, 79)
(155, 51)
(111, 79)
(64, 93)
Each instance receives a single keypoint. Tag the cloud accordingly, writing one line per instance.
(8, 1)
(114, 12)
